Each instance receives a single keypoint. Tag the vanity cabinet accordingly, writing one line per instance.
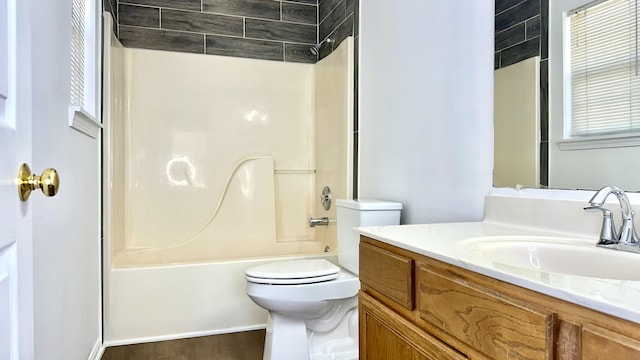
(388, 336)
(416, 307)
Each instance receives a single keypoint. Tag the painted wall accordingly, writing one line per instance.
(66, 247)
(426, 107)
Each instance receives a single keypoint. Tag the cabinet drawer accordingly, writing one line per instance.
(601, 344)
(490, 323)
(386, 335)
(388, 273)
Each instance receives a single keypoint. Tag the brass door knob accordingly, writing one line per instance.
(48, 182)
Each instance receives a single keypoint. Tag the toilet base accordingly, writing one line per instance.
(341, 343)
(286, 338)
(332, 337)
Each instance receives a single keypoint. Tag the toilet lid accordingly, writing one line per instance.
(293, 272)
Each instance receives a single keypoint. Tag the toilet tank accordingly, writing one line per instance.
(357, 213)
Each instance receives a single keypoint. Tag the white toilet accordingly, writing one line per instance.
(313, 303)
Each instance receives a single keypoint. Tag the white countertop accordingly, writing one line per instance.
(620, 298)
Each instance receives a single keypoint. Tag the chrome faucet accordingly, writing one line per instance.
(626, 239)
(313, 222)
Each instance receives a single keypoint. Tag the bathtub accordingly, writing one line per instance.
(176, 301)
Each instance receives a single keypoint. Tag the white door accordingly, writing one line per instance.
(49, 247)
(16, 285)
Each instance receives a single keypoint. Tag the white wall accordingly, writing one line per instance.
(66, 234)
(426, 98)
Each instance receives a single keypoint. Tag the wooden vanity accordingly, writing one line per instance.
(413, 307)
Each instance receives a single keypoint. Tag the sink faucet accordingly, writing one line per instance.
(626, 238)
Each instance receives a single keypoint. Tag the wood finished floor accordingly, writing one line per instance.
(237, 346)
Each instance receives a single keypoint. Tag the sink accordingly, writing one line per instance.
(554, 255)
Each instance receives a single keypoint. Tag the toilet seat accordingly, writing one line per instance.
(293, 272)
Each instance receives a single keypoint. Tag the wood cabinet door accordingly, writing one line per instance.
(385, 335)
(493, 324)
(602, 344)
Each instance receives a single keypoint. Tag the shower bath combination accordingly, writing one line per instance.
(315, 50)
(236, 181)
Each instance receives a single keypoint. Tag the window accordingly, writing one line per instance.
(604, 77)
(83, 104)
(78, 31)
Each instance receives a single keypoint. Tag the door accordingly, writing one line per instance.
(49, 247)
(16, 285)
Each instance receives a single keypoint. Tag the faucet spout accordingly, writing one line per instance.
(601, 196)
(313, 222)
(627, 234)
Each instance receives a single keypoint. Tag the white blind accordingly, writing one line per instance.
(77, 52)
(605, 85)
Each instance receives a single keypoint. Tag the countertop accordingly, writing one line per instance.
(446, 242)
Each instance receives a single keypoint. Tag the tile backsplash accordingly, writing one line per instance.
(259, 29)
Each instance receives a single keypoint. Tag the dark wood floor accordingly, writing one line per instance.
(237, 346)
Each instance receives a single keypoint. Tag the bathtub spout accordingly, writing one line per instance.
(321, 221)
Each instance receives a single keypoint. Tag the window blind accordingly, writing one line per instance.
(605, 78)
(77, 52)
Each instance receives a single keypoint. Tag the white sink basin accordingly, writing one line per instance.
(554, 255)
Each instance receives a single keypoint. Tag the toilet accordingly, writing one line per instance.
(312, 303)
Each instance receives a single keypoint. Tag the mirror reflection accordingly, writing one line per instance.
(567, 94)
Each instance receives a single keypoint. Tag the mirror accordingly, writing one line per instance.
(529, 148)
(520, 127)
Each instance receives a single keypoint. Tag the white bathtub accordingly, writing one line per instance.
(178, 301)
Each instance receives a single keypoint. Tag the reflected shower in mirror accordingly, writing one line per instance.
(545, 135)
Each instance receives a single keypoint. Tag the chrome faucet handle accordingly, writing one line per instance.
(628, 234)
(608, 233)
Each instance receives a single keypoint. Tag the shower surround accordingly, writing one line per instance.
(214, 164)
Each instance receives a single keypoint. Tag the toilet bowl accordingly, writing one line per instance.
(312, 303)
(306, 299)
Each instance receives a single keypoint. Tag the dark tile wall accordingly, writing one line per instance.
(337, 20)
(260, 29)
(521, 32)
(247, 28)
(112, 6)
